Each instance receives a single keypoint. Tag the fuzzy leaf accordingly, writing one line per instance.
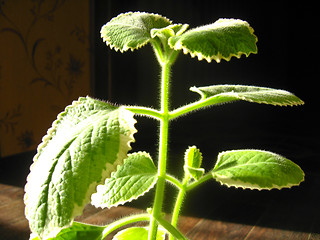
(137, 233)
(134, 178)
(221, 40)
(131, 30)
(85, 144)
(256, 169)
(169, 31)
(193, 160)
(78, 231)
(196, 173)
(226, 93)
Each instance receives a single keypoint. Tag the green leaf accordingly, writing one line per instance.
(226, 93)
(78, 231)
(85, 144)
(131, 30)
(221, 40)
(134, 178)
(137, 233)
(193, 160)
(256, 169)
(196, 173)
(169, 31)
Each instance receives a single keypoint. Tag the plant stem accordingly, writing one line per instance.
(204, 178)
(144, 111)
(177, 207)
(163, 148)
(124, 221)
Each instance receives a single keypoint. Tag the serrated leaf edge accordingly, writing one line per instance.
(125, 141)
(236, 95)
(109, 43)
(93, 196)
(246, 185)
(179, 45)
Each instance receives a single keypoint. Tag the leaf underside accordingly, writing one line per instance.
(256, 169)
(135, 177)
(227, 93)
(222, 39)
(85, 144)
(131, 30)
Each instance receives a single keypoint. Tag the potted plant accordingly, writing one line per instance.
(84, 156)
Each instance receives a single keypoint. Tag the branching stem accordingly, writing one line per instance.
(163, 149)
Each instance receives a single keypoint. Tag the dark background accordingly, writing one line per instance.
(287, 47)
(285, 60)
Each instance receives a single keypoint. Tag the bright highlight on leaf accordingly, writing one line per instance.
(135, 177)
(137, 233)
(221, 40)
(85, 144)
(131, 30)
(256, 169)
(226, 93)
(193, 160)
(80, 231)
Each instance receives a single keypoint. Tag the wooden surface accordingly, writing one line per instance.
(13, 224)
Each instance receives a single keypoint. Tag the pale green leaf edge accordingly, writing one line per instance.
(124, 141)
(95, 198)
(246, 185)
(109, 43)
(237, 96)
(178, 45)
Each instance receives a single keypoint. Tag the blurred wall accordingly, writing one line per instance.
(44, 65)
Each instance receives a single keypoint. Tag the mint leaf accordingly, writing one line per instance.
(226, 93)
(131, 30)
(85, 144)
(137, 233)
(256, 169)
(134, 178)
(221, 40)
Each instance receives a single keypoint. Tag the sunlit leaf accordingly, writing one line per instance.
(131, 30)
(85, 144)
(193, 160)
(226, 93)
(220, 40)
(256, 169)
(134, 178)
(137, 233)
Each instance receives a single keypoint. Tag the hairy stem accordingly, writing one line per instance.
(124, 221)
(177, 208)
(144, 111)
(178, 204)
(203, 179)
(163, 148)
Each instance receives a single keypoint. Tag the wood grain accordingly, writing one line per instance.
(294, 221)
